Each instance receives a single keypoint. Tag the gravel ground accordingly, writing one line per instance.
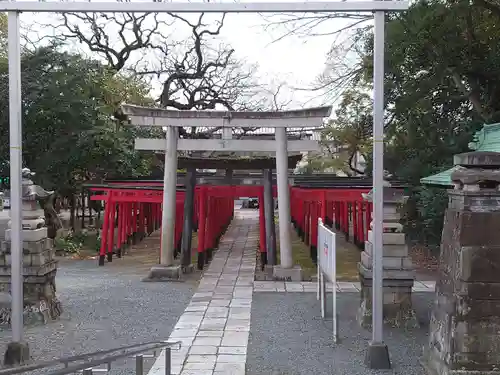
(105, 308)
(288, 337)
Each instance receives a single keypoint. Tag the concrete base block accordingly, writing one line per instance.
(30, 235)
(17, 354)
(269, 270)
(397, 304)
(287, 274)
(389, 250)
(388, 274)
(390, 238)
(186, 270)
(164, 273)
(377, 357)
(388, 262)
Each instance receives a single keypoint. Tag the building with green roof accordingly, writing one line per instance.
(486, 139)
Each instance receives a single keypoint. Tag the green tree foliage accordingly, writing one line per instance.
(347, 134)
(70, 134)
(3, 36)
(442, 84)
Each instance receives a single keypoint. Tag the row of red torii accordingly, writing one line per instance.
(158, 208)
(139, 214)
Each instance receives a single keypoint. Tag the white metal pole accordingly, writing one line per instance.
(198, 7)
(169, 198)
(378, 176)
(318, 266)
(15, 135)
(283, 198)
(335, 320)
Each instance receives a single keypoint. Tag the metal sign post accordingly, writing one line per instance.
(327, 266)
(377, 356)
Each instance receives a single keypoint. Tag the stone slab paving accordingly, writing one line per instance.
(215, 326)
(310, 287)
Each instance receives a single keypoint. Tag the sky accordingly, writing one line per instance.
(295, 61)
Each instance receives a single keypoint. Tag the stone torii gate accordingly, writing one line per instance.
(226, 120)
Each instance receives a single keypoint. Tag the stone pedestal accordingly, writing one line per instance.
(288, 274)
(398, 271)
(4, 223)
(465, 320)
(39, 267)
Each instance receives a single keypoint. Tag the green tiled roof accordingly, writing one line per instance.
(486, 139)
(441, 178)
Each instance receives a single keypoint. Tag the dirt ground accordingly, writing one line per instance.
(141, 256)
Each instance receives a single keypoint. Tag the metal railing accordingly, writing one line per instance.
(90, 362)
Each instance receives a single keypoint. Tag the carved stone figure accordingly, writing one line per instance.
(52, 220)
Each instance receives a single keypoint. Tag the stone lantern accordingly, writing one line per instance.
(398, 271)
(39, 265)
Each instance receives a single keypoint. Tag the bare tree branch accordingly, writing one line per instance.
(195, 72)
(131, 31)
(307, 25)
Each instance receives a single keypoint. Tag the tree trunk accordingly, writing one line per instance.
(99, 212)
(83, 209)
(91, 217)
(72, 211)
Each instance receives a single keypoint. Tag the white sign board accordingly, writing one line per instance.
(327, 264)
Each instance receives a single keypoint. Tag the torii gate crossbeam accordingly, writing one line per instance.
(227, 145)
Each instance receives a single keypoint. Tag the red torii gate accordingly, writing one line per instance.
(139, 212)
(139, 207)
(336, 207)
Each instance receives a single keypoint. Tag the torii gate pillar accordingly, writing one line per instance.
(286, 270)
(166, 268)
(169, 197)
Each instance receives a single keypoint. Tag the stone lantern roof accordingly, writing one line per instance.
(487, 140)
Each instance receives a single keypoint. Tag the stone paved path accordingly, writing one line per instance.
(310, 287)
(215, 326)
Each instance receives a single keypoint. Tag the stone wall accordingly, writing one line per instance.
(39, 269)
(465, 321)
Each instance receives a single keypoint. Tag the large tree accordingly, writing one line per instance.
(442, 83)
(69, 133)
(346, 137)
(195, 70)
